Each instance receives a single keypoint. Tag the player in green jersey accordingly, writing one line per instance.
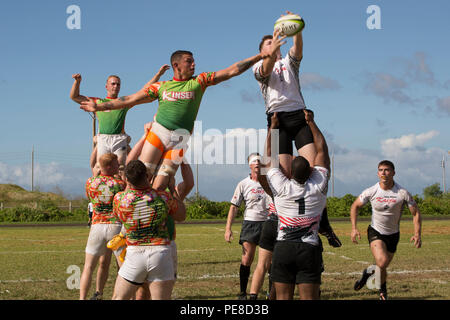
(179, 101)
(111, 134)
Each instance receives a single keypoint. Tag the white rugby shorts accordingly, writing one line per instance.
(148, 263)
(99, 235)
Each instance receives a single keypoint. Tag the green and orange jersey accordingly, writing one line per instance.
(145, 215)
(179, 101)
(100, 191)
(110, 121)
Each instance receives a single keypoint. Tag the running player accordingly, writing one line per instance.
(387, 199)
(256, 202)
(144, 213)
(179, 102)
(100, 191)
(279, 82)
(111, 133)
(297, 256)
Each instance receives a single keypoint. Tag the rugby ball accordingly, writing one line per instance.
(289, 24)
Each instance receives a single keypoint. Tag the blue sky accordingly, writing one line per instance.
(377, 94)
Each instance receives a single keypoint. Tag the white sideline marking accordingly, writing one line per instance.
(46, 251)
(224, 276)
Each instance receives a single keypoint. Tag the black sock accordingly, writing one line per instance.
(244, 273)
(383, 288)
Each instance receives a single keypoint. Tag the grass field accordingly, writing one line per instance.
(39, 263)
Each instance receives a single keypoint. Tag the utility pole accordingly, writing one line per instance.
(443, 172)
(32, 169)
(332, 174)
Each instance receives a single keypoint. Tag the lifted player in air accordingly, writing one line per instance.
(387, 199)
(179, 101)
(111, 137)
(279, 81)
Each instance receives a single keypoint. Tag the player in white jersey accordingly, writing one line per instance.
(279, 81)
(297, 256)
(387, 199)
(256, 202)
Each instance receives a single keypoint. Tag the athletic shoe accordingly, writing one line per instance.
(333, 240)
(362, 282)
(253, 296)
(242, 296)
(383, 295)
(96, 296)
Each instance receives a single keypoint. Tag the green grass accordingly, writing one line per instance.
(34, 262)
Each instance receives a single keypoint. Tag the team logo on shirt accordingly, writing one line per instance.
(175, 95)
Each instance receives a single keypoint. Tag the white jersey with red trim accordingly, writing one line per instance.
(299, 206)
(256, 200)
(281, 89)
(387, 206)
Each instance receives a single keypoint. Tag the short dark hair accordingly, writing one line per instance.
(300, 169)
(267, 36)
(387, 163)
(177, 55)
(135, 171)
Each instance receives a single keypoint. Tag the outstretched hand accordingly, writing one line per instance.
(88, 106)
(163, 70)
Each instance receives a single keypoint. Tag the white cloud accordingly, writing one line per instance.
(395, 146)
(315, 81)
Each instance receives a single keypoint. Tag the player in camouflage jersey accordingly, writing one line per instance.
(179, 102)
(144, 213)
(100, 191)
(111, 133)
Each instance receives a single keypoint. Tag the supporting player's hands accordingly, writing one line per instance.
(309, 115)
(228, 235)
(88, 105)
(354, 235)
(77, 77)
(274, 124)
(163, 70)
(417, 241)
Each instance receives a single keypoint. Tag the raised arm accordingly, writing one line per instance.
(296, 50)
(75, 90)
(237, 68)
(272, 52)
(139, 97)
(322, 158)
(185, 186)
(267, 159)
(136, 151)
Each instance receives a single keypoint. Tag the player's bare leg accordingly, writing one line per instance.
(308, 291)
(161, 290)
(150, 156)
(90, 263)
(124, 290)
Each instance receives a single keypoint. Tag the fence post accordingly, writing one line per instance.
(1, 205)
(70, 206)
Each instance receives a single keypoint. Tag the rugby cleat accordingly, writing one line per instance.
(96, 296)
(383, 295)
(362, 282)
(242, 296)
(332, 238)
